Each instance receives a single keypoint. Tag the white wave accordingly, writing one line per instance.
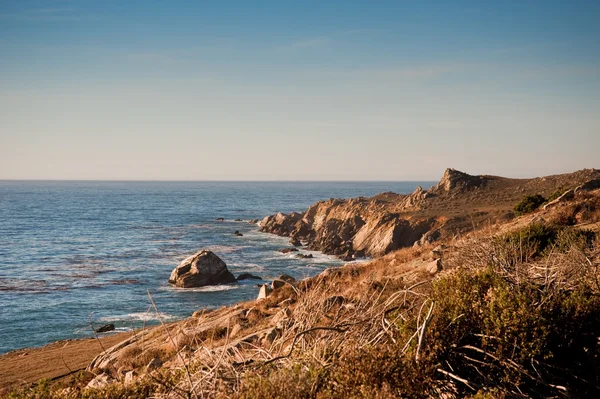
(208, 288)
(225, 249)
(138, 316)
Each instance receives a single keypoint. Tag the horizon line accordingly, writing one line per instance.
(215, 181)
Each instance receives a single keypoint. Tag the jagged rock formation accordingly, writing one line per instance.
(202, 268)
(375, 226)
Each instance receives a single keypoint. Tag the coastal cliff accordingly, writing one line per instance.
(375, 226)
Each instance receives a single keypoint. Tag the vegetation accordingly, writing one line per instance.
(528, 204)
(513, 315)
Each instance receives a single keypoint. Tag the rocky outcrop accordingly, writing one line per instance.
(105, 328)
(454, 180)
(374, 226)
(201, 269)
(352, 228)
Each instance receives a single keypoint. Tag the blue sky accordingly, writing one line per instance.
(297, 90)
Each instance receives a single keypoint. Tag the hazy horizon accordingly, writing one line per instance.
(297, 91)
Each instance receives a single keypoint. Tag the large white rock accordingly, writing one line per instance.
(200, 269)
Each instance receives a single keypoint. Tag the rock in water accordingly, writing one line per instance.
(248, 276)
(201, 269)
(105, 328)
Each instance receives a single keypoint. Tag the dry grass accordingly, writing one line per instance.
(514, 314)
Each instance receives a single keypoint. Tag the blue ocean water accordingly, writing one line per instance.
(71, 252)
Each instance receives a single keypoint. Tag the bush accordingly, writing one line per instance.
(489, 337)
(529, 204)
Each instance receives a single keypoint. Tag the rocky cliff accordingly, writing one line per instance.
(375, 226)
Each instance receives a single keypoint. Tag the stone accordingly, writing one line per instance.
(588, 186)
(201, 269)
(295, 242)
(437, 252)
(288, 250)
(129, 377)
(253, 221)
(220, 219)
(248, 276)
(282, 280)
(237, 233)
(105, 328)
(238, 220)
(434, 267)
(264, 291)
(100, 381)
(154, 364)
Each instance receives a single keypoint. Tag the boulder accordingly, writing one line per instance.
(295, 242)
(248, 276)
(437, 252)
(238, 220)
(304, 256)
(434, 267)
(237, 233)
(130, 377)
(253, 221)
(201, 269)
(282, 280)
(264, 291)
(105, 328)
(220, 219)
(100, 381)
(588, 186)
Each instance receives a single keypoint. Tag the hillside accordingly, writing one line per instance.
(374, 226)
(495, 305)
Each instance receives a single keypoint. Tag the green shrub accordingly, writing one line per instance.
(504, 339)
(529, 204)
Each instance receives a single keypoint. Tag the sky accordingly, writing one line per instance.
(297, 90)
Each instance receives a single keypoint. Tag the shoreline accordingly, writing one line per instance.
(54, 360)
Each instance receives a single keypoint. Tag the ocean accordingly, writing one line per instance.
(80, 254)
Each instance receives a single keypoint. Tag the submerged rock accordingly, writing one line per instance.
(304, 256)
(237, 233)
(288, 250)
(248, 276)
(105, 328)
(201, 269)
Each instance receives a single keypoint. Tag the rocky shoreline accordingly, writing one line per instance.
(358, 227)
(350, 229)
